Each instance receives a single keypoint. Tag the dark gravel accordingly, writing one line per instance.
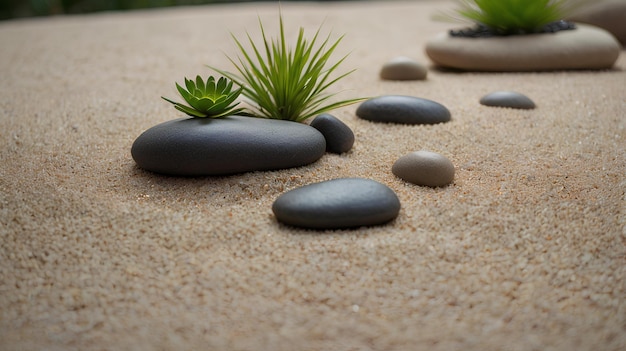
(482, 31)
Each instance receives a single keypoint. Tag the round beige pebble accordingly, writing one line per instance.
(403, 68)
(424, 168)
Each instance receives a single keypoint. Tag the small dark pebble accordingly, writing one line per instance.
(482, 31)
(339, 137)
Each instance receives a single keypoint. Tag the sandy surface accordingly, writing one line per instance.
(525, 251)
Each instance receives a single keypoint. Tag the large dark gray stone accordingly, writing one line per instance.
(403, 109)
(339, 137)
(235, 144)
(338, 203)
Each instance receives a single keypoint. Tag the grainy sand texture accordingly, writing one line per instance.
(524, 251)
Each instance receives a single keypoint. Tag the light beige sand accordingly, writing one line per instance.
(525, 251)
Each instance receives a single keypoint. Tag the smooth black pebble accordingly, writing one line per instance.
(403, 109)
(337, 204)
(339, 137)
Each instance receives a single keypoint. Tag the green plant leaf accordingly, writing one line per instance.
(191, 86)
(185, 109)
(209, 89)
(184, 93)
(200, 85)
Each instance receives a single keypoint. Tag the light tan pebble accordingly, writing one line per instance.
(424, 168)
(403, 68)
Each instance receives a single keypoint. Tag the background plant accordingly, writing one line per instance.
(515, 16)
(26, 8)
(208, 99)
(288, 83)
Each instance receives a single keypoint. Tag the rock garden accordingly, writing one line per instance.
(286, 85)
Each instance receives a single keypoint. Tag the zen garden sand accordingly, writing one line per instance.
(523, 249)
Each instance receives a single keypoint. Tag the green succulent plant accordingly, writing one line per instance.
(208, 99)
(516, 16)
(288, 83)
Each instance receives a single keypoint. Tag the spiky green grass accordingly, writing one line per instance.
(516, 16)
(284, 82)
(208, 99)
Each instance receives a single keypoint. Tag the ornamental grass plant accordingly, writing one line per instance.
(515, 16)
(285, 82)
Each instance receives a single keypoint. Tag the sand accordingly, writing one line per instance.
(524, 251)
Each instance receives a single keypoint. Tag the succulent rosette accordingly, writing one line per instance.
(208, 99)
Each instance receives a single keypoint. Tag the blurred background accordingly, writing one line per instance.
(29, 8)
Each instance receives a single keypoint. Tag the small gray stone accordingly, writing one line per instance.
(403, 109)
(338, 203)
(234, 144)
(403, 68)
(339, 137)
(508, 99)
(424, 168)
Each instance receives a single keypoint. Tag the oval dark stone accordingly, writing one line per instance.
(339, 137)
(403, 109)
(338, 203)
(235, 144)
(509, 99)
